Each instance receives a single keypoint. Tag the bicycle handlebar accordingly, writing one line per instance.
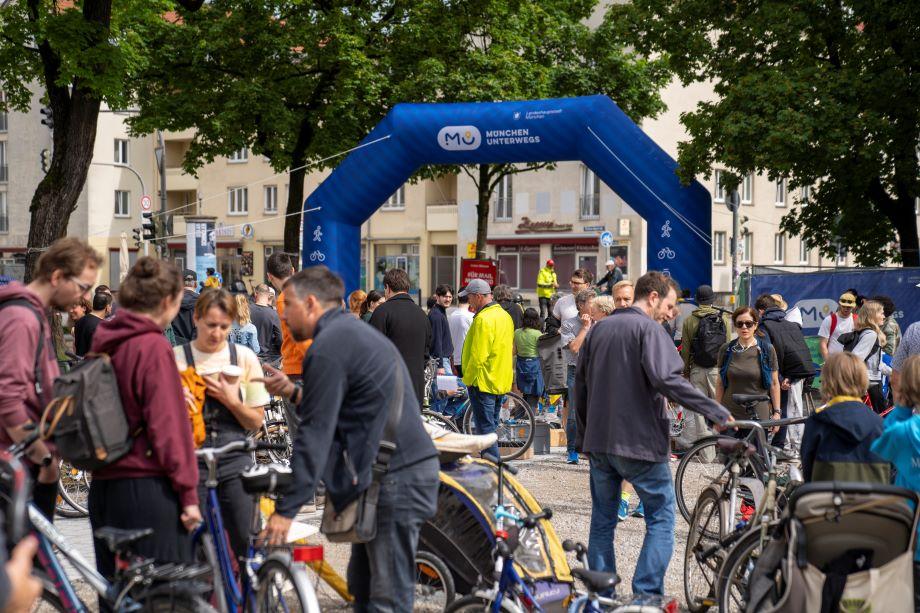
(499, 462)
(752, 425)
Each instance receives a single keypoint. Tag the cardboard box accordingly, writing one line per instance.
(557, 437)
(527, 455)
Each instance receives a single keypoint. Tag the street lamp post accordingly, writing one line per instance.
(143, 189)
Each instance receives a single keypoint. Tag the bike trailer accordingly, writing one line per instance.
(461, 533)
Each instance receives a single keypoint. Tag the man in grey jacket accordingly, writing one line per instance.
(623, 426)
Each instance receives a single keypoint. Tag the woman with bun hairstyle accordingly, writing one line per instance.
(233, 404)
(155, 484)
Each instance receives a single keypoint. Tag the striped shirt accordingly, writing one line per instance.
(910, 345)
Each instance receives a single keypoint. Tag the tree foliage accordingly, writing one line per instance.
(823, 92)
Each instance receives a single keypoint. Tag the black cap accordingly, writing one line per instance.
(189, 275)
(705, 295)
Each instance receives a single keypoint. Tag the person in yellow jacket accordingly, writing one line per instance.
(487, 364)
(546, 287)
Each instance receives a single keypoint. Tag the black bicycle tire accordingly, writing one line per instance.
(691, 543)
(299, 581)
(685, 511)
(71, 508)
(440, 567)
(741, 550)
(467, 426)
(474, 603)
(439, 420)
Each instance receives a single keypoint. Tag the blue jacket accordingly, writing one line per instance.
(441, 344)
(900, 445)
(836, 445)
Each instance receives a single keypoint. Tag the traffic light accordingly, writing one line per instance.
(150, 232)
(47, 117)
(46, 160)
(136, 232)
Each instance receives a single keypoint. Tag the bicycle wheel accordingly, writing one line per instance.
(515, 428)
(275, 429)
(478, 604)
(73, 492)
(694, 473)
(732, 581)
(701, 562)
(441, 421)
(284, 587)
(434, 585)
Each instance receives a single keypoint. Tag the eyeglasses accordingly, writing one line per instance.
(574, 282)
(84, 287)
(747, 323)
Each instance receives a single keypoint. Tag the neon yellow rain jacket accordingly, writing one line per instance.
(487, 351)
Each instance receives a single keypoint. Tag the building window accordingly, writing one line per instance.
(841, 255)
(804, 252)
(806, 193)
(747, 189)
(443, 265)
(719, 191)
(239, 156)
(238, 200)
(590, 194)
(122, 203)
(4, 169)
(115, 266)
(397, 201)
(518, 266)
(403, 256)
(270, 194)
(780, 199)
(3, 126)
(779, 248)
(121, 151)
(504, 198)
(746, 248)
(4, 214)
(718, 247)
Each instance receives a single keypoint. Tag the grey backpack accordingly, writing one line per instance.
(552, 360)
(86, 417)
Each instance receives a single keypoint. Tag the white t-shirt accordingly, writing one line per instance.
(843, 326)
(565, 308)
(254, 394)
(459, 322)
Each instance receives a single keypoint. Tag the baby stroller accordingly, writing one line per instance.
(841, 547)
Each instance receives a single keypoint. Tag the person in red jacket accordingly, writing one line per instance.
(155, 484)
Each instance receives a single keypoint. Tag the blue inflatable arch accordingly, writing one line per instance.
(591, 129)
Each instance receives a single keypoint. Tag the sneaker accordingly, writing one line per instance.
(623, 511)
(640, 511)
(573, 458)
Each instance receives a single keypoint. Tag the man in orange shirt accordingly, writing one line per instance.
(279, 269)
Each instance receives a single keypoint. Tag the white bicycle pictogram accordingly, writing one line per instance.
(667, 253)
(317, 256)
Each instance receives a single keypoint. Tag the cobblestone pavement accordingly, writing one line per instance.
(553, 483)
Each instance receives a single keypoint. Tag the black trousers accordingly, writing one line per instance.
(544, 307)
(879, 403)
(44, 495)
(236, 506)
(145, 502)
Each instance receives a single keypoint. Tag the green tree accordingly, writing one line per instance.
(81, 55)
(822, 92)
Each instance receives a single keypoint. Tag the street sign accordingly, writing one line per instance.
(733, 201)
(606, 239)
(146, 203)
(487, 270)
(247, 230)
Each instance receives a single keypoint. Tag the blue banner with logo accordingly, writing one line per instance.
(816, 293)
(592, 129)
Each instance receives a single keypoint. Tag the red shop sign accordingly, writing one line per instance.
(487, 270)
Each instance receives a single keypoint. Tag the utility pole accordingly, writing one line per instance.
(733, 202)
(160, 154)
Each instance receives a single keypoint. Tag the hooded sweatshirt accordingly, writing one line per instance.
(152, 397)
(836, 445)
(900, 445)
(19, 333)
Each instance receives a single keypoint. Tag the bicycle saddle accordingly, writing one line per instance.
(750, 398)
(117, 539)
(266, 478)
(596, 581)
(733, 447)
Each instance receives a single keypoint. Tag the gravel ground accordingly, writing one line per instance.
(552, 482)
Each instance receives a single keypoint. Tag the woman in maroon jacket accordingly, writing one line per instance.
(154, 485)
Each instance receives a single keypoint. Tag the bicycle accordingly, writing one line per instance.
(277, 429)
(507, 591)
(722, 518)
(73, 492)
(270, 579)
(138, 582)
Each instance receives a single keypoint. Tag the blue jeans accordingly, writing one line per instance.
(652, 481)
(381, 573)
(440, 404)
(571, 427)
(486, 409)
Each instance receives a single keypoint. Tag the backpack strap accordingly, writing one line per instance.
(39, 348)
(833, 325)
(189, 355)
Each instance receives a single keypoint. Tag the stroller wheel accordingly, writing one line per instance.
(434, 584)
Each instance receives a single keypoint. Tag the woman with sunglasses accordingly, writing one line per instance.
(747, 365)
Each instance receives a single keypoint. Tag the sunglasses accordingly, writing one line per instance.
(747, 323)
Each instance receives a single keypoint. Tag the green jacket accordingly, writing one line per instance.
(692, 324)
(488, 351)
(546, 282)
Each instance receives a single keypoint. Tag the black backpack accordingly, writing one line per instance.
(86, 417)
(849, 340)
(709, 338)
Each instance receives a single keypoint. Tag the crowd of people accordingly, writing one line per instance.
(352, 369)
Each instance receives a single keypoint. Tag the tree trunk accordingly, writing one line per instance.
(483, 186)
(297, 175)
(905, 223)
